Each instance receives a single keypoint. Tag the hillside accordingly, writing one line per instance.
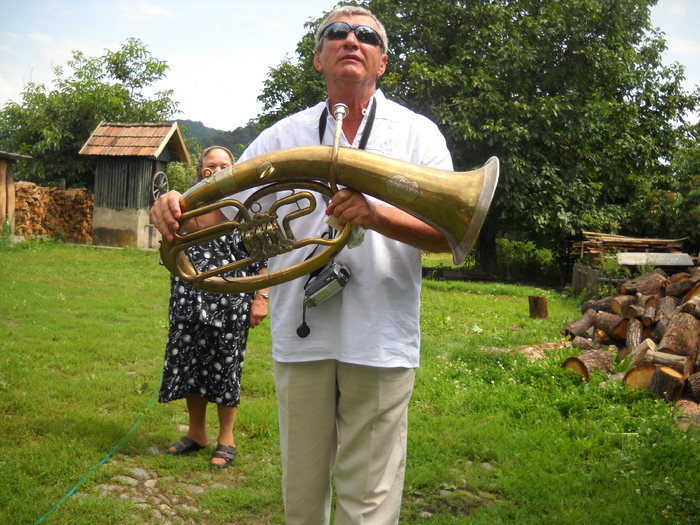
(236, 140)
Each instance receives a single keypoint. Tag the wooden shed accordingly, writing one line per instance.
(7, 188)
(129, 176)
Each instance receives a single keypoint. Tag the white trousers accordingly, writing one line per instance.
(348, 422)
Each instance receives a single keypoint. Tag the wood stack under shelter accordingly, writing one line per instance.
(53, 212)
(596, 245)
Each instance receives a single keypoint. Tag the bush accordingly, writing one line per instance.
(523, 261)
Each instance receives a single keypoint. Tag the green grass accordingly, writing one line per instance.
(494, 436)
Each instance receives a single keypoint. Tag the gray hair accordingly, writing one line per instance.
(350, 10)
(203, 155)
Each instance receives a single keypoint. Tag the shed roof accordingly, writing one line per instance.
(4, 155)
(137, 140)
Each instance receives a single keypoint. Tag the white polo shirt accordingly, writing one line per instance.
(375, 319)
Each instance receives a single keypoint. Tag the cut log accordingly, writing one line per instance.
(676, 362)
(648, 316)
(613, 325)
(661, 380)
(647, 284)
(659, 330)
(589, 360)
(694, 386)
(666, 308)
(538, 307)
(634, 334)
(598, 305)
(667, 384)
(580, 325)
(639, 353)
(646, 300)
(679, 289)
(695, 290)
(691, 304)
(618, 302)
(681, 336)
(585, 343)
(633, 311)
(603, 338)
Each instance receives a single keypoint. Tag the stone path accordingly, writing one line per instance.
(165, 501)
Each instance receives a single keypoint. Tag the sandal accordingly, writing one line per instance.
(225, 452)
(184, 446)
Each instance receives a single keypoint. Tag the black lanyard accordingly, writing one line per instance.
(365, 133)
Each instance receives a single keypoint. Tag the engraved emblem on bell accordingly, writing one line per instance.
(400, 187)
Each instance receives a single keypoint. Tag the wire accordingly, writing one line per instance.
(104, 459)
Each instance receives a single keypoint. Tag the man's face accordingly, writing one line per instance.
(349, 59)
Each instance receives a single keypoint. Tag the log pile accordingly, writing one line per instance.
(54, 212)
(654, 322)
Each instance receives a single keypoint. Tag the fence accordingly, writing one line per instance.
(587, 279)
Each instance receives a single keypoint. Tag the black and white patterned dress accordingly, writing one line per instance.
(208, 331)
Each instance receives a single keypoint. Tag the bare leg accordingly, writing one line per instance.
(197, 410)
(227, 418)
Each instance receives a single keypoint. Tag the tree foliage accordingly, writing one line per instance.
(571, 96)
(52, 125)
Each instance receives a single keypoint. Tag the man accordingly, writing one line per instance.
(343, 391)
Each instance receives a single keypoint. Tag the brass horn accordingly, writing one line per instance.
(454, 203)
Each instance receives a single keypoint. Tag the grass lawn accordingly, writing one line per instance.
(495, 436)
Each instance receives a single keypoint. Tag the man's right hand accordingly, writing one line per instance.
(166, 213)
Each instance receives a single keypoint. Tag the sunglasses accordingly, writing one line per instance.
(341, 30)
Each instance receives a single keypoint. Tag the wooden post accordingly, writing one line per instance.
(3, 192)
(538, 307)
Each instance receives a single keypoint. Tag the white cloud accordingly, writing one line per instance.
(41, 37)
(144, 11)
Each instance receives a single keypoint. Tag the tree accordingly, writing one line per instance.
(52, 125)
(572, 97)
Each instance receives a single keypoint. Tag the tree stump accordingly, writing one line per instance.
(538, 307)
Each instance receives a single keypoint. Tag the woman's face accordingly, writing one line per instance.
(215, 161)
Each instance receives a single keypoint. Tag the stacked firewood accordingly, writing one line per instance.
(653, 321)
(54, 212)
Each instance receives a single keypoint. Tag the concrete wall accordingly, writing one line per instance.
(124, 227)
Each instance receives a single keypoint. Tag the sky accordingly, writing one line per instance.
(219, 53)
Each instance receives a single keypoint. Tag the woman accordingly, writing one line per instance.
(208, 333)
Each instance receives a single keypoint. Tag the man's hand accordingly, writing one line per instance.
(351, 207)
(166, 214)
